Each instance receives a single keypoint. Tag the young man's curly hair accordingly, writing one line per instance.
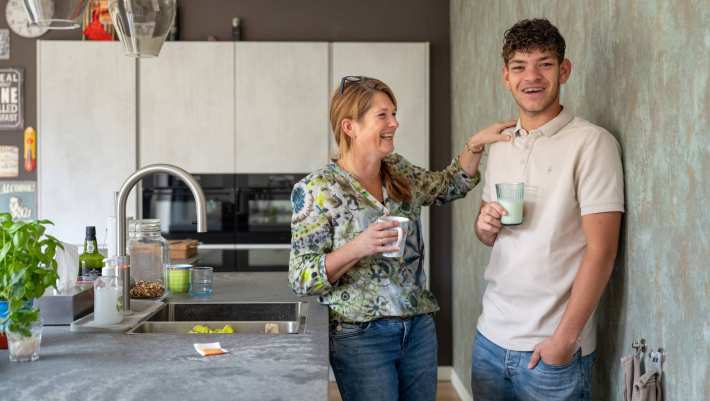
(533, 34)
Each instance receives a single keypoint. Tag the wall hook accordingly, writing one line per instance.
(639, 345)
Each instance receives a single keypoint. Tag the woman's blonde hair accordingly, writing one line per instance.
(352, 100)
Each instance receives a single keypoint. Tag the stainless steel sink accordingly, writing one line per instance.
(272, 318)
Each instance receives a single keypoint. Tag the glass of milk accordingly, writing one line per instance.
(511, 196)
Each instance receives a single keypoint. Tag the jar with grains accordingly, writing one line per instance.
(148, 251)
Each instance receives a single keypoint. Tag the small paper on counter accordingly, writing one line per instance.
(209, 349)
(271, 328)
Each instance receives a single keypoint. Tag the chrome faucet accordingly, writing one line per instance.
(121, 213)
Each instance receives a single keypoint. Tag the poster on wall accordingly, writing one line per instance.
(11, 98)
(4, 44)
(9, 161)
(18, 199)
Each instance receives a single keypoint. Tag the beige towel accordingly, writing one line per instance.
(632, 371)
(648, 387)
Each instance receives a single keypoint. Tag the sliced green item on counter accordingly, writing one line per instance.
(201, 329)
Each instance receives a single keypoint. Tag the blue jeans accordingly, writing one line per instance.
(498, 374)
(385, 359)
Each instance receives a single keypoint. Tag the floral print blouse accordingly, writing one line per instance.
(330, 208)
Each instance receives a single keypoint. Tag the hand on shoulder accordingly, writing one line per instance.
(491, 134)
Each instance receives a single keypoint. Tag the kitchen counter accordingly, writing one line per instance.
(89, 366)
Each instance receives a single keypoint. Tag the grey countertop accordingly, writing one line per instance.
(87, 366)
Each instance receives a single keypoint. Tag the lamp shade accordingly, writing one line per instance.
(55, 14)
(142, 25)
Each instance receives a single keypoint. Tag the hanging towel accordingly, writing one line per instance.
(648, 387)
(632, 371)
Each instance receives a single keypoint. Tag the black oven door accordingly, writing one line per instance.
(170, 200)
(264, 208)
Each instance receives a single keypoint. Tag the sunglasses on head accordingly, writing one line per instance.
(351, 80)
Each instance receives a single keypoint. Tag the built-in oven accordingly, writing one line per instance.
(248, 217)
(263, 213)
(167, 198)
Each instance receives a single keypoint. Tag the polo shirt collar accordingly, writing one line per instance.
(550, 128)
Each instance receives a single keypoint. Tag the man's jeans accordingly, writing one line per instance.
(385, 360)
(498, 374)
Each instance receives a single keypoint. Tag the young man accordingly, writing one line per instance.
(536, 334)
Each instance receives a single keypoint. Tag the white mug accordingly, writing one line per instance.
(401, 235)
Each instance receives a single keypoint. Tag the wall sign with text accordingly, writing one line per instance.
(9, 161)
(11, 98)
(18, 199)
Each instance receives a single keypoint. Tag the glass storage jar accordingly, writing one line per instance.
(148, 251)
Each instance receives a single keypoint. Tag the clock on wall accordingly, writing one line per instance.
(18, 21)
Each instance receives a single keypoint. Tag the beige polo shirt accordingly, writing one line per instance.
(570, 168)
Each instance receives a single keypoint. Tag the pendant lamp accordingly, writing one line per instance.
(55, 14)
(142, 25)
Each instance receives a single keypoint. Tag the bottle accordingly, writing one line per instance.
(236, 30)
(91, 261)
(108, 291)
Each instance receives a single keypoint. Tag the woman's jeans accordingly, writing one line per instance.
(498, 374)
(385, 359)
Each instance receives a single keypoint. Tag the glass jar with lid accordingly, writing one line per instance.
(148, 251)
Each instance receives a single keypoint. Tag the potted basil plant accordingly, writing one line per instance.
(27, 269)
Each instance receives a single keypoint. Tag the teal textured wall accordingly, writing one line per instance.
(640, 69)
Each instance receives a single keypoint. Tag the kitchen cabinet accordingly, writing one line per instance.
(86, 133)
(235, 107)
(404, 67)
(281, 107)
(186, 105)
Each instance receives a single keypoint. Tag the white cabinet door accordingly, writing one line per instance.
(404, 67)
(186, 101)
(86, 133)
(281, 107)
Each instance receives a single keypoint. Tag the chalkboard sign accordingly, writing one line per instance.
(11, 99)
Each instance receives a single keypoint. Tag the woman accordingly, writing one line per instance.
(382, 336)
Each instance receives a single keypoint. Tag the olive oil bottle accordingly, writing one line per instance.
(91, 261)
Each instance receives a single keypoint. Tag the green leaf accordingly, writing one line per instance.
(5, 249)
(17, 276)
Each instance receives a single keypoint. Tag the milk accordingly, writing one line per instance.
(514, 209)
